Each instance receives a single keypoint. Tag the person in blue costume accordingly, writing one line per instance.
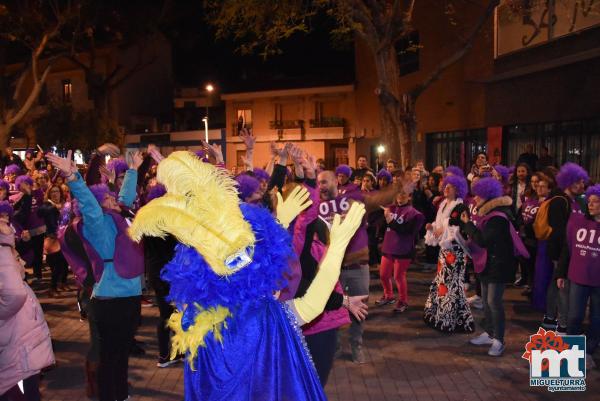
(117, 268)
(240, 341)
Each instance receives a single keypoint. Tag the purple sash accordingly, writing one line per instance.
(128, 259)
(479, 254)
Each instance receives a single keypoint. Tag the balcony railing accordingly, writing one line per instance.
(327, 122)
(285, 124)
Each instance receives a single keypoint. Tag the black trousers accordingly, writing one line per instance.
(162, 331)
(322, 348)
(59, 267)
(36, 244)
(528, 266)
(116, 320)
(31, 388)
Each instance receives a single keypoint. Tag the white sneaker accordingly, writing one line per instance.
(482, 339)
(496, 349)
(475, 302)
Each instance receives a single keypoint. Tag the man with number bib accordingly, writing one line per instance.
(355, 266)
(580, 264)
(571, 180)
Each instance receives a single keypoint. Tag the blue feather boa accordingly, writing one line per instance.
(193, 281)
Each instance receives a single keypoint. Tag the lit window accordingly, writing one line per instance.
(67, 90)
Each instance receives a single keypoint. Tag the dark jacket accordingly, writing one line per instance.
(495, 237)
(51, 216)
(558, 217)
(157, 253)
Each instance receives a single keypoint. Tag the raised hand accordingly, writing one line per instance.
(155, 154)
(342, 231)
(135, 160)
(248, 138)
(109, 149)
(110, 175)
(214, 151)
(296, 202)
(66, 166)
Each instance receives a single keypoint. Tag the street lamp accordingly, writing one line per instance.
(380, 151)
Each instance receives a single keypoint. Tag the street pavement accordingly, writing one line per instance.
(406, 360)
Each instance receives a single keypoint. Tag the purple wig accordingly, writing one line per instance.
(343, 169)
(12, 169)
(569, 174)
(503, 171)
(247, 185)
(119, 166)
(5, 207)
(23, 179)
(457, 182)
(487, 188)
(156, 191)
(5, 185)
(455, 170)
(261, 175)
(386, 175)
(100, 191)
(593, 190)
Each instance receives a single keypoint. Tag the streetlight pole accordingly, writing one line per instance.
(209, 89)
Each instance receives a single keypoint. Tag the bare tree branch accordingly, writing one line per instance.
(33, 95)
(459, 54)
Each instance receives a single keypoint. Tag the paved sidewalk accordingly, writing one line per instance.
(406, 359)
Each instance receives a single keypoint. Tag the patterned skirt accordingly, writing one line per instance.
(446, 308)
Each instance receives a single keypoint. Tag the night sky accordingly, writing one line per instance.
(307, 60)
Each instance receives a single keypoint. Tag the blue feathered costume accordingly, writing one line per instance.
(240, 342)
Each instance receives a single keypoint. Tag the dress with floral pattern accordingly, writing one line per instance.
(446, 308)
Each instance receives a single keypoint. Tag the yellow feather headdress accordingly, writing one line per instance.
(201, 209)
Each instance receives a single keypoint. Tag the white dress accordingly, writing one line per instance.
(441, 221)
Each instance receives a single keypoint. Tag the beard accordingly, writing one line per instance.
(327, 194)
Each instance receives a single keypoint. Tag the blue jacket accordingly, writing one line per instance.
(100, 230)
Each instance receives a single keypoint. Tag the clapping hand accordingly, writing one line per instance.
(135, 160)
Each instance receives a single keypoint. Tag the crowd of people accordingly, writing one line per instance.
(533, 225)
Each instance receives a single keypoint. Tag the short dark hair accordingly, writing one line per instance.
(394, 162)
(359, 156)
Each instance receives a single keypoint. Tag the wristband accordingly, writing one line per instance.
(346, 302)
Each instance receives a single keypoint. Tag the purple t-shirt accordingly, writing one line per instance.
(529, 210)
(341, 205)
(470, 202)
(583, 240)
(402, 244)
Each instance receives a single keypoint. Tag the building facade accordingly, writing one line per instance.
(141, 103)
(524, 81)
(321, 120)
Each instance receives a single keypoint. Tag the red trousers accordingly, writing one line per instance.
(398, 267)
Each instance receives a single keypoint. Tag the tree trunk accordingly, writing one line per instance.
(397, 110)
(4, 135)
